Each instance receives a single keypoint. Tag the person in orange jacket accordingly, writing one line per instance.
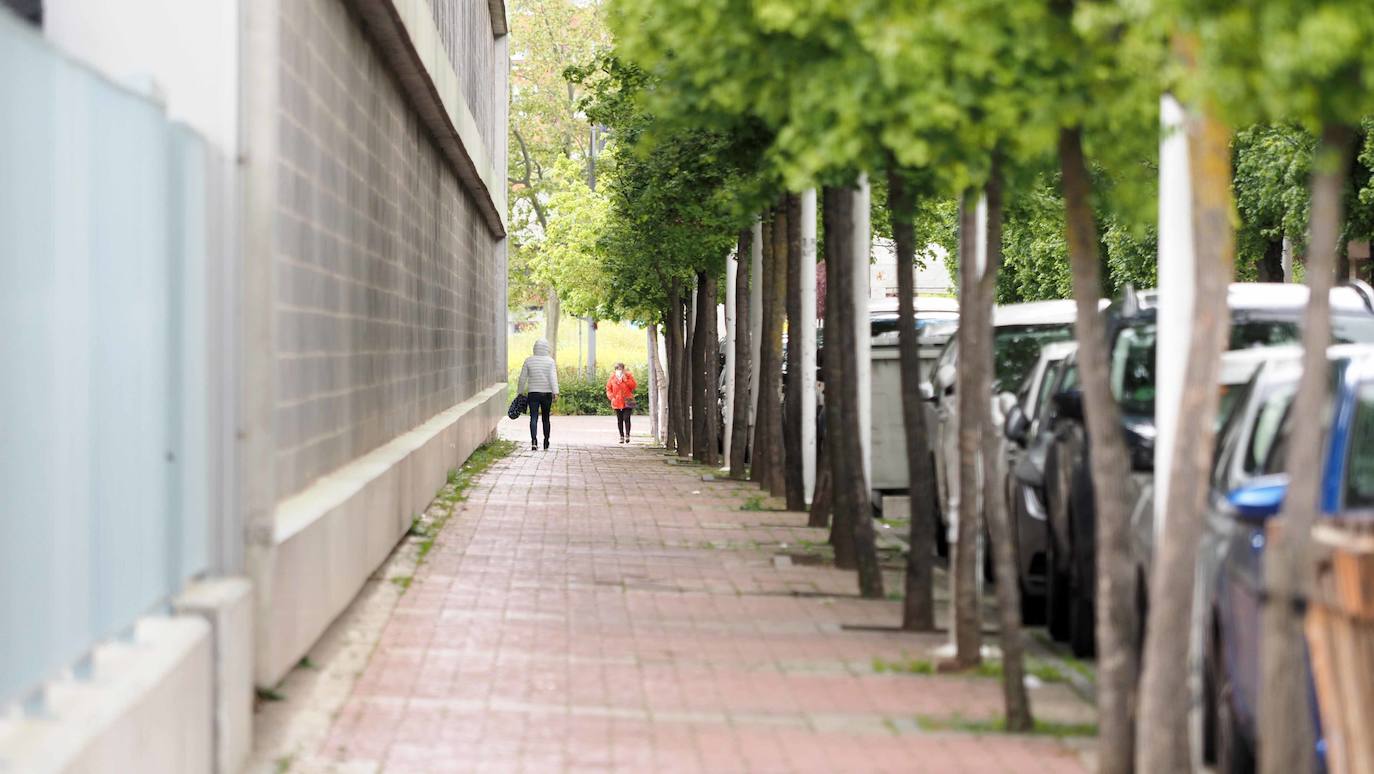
(620, 390)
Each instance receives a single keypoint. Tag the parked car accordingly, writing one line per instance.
(1248, 486)
(1020, 331)
(1028, 429)
(1262, 314)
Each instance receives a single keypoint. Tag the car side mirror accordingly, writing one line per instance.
(1015, 426)
(1260, 498)
(927, 391)
(1069, 404)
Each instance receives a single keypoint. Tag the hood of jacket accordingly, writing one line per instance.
(541, 347)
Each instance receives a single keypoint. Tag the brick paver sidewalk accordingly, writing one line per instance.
(594, 607)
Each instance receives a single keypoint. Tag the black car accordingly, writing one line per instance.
(1262, 314)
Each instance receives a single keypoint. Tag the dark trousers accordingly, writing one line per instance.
(539, 401)
(622, 421)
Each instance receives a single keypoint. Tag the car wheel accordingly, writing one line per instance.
(1056, 594)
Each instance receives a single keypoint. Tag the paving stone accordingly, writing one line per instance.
(580, 614)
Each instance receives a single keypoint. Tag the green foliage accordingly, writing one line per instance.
(580, 396)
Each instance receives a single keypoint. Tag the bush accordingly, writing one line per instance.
(580, 396)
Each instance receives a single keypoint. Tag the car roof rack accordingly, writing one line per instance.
(1365, 292)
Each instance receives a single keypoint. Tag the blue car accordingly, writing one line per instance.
(1249, 482)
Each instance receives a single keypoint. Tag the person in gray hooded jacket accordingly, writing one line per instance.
(539, 382)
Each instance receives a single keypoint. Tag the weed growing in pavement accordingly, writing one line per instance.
(284, 764)
(403, 581)
(269, 694)
(757, 503)
(460, 480)
(909, 666)
(306, 663)
(999, 726)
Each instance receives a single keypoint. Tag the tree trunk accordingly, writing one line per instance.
(661, 410)
(1285, 717)
(835, 214)
(673, 342)
(851, 490)
(821, 498)
(973, 392)
(652, 336)
(739, 429)
(761, 453)
(794, 482)
(698, 360)
(553, 312)
(1118, 659)
(591, 347)
(684, 389)
(1164, 694)
(995, 510)
(918, 605)
(1271, 263)
(705, 404)
(776, 309)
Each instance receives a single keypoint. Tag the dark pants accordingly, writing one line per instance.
(539, 401)
(622, 421)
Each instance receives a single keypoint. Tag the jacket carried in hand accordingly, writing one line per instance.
(620, 390)
(539, 374)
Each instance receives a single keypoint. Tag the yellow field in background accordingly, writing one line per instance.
(614, 342)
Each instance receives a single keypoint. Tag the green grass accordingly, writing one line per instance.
(757, 503)
(402, 581)
(284, 764)
(269, 694)
(999, 726)
(906, 666)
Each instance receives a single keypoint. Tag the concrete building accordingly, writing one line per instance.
(269, 253)
(932, 278)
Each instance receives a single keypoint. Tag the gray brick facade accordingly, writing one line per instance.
(389, 286)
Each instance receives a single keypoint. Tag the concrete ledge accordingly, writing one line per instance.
(329, 538)
(405, 32)
(146, 708)
(226, 604)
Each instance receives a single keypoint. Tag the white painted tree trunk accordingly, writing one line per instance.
(863, 245)
(731, 268)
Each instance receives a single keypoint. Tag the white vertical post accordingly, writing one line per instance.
(804, 336)
(755, 321)
(731, 270)
(1175, 320)
(1287, 260)
(863, 245)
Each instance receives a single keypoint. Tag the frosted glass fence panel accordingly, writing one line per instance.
(100, 212)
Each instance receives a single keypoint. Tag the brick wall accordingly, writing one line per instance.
(465, 28)
(389, 286)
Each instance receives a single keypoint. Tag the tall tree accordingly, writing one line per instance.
(794, 483)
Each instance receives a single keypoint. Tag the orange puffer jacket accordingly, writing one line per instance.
(620, 390)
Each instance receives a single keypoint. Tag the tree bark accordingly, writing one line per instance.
(761, 454)
(1118, 659)
(676, 409)
(837, 234)
(739, 430)
(705, 431)
(995, 510)
(654, 379)
(1271, 262)
(553, 312)
(1164, 695)
(973, 391)
(821, 497)
(776, 308)
(662, 407)
(851, 490)
(918, 604)
(684, 446)
(1285, 717)
(700, 415)
(794, 483)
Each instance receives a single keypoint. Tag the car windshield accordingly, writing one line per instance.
(1046, 386)
(1359, 485)
(880, 323)
(1017, 347)
(1133, 353)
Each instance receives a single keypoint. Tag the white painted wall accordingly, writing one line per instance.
(184, 51)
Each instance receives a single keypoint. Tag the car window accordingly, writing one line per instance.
(1017, 347)
(1359, 485)
(1352, 329)
(1042, 398)
(1133, 369)
(1264, 436)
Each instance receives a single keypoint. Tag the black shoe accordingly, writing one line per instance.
(546, 444)
(534, 446)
